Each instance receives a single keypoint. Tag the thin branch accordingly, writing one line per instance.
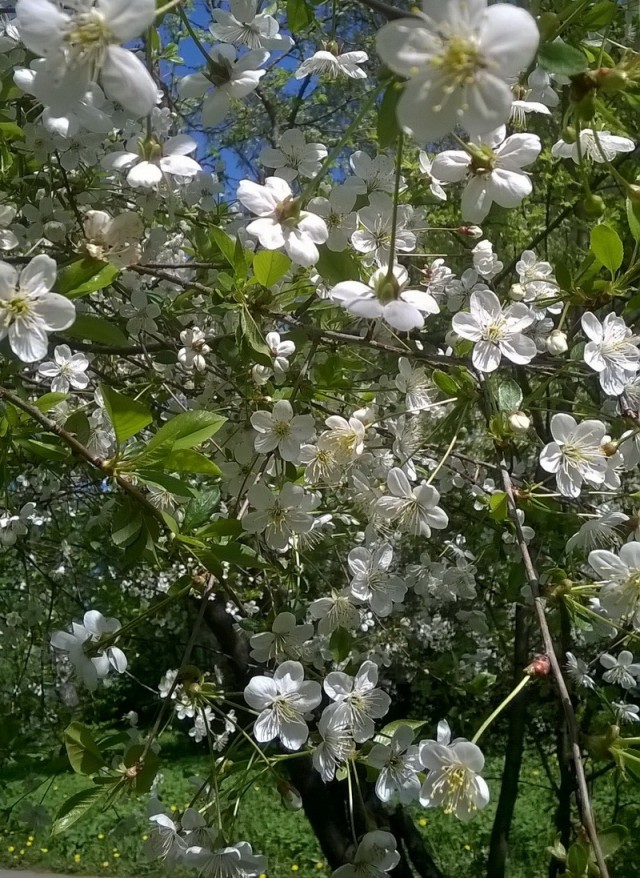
(390, 12)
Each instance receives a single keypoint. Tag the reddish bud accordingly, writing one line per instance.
(539, 667)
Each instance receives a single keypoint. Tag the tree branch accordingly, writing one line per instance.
(390, 12)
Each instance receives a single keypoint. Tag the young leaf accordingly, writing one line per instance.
(75, 807)
(509, 395)
(127, 415)
(182, 432)
(607, 247)
(299, 15)
(388, 128)
(85, 276)
(92, 328)
(633, 217)
(561, 58)
(270, 266)
(83, 752)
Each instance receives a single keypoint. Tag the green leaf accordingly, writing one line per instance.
(445, 383)
(49, 401)
(83, 752)
(498, 506)
(340, 644)
(240, 260)
(607, 247)
(336, 267)
(577, 860)
(199, 510)
(11, 131)
(253, 337)
(633, 217)
(225, 244)
(561, 58)
(84, 276)
(612, 838)
(601, 15)
(270, 266)
(126, 524)
(167, 483)
(76, 807)
(299, 15)
(91, 328)
(184, 460)
(127, 415)
(388, 128)
(183, 432)
(387, 732)
(508, 395)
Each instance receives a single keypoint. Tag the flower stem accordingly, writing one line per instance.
(485, 725)
(394, 218)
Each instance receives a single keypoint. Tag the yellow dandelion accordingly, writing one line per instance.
(467, 847)
(76, 858)
(30, 838)
(11, 848)
(101, 835)
(116, 856)
(105, 864)
(295, 867)
(145, 837)
(22, 852)
(422, 822)
(29, 843)
(320, 864)
(44, 850)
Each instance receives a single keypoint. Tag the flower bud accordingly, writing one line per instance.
(539, 667)
(592, 206)
(611, 79)
(557, 343)
(519, 422)
(516, 293)
(290, 796)
(470, 231)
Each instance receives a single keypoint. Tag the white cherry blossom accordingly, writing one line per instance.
(485, 262)
(399, 764)
(386, 297)
(620, 671)
(335, 611)
(284, 641)
(280, 350)
(284, 701)
(335, 747)
(281, 221)
(575, 455)
(28, 308)
(453, 781)
(611, 351)
(152, 162)
(369, 175)
(227, 78)
(243, 25)
(91, 661)
(66, 370)
(413, 510)
(374, 239)
(413, 383)
(371, 582)
(114, 239)
(8, 239)
(426, 170)
(496, 331)
(357, 700)
(278, 516)
(294, 156)
(194, 350)
(492, 170)
(333, 65)
(619, 577)
(84, 46)
(598, 146)
(237, 861)
(339, 215)
(375, 857)
(281, 430)
(458, 58)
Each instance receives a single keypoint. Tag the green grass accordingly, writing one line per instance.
(112, 843)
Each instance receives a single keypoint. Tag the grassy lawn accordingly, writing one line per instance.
(112, 843)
